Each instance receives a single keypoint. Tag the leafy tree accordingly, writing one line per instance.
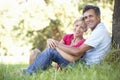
(27, 24)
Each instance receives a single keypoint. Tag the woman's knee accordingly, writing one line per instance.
(34, 53)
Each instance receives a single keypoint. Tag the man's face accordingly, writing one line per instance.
(91, 19)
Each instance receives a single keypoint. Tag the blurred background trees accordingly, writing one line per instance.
(27, 24)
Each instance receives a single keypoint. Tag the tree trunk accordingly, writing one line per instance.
(116, 25)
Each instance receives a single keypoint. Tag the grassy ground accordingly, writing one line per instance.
(80, 72)
(108, 70)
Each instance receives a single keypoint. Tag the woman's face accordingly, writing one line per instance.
(79, 28)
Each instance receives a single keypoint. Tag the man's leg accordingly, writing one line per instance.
(44, 60)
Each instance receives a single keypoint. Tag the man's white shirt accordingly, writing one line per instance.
(100, 40)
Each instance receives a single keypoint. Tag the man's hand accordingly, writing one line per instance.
(52, 43)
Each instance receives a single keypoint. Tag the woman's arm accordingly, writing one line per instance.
(51, 43)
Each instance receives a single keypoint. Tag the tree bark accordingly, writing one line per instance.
(116, 25)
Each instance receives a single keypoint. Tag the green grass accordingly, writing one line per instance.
(108, 70)
(80, 72)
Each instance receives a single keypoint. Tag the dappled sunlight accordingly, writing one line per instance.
(22, 20)
(106, 15)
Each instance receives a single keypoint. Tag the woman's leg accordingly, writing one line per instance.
(34, 53)
(44, 60)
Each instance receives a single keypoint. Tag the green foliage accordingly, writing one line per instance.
(27, 24)
(51, 31)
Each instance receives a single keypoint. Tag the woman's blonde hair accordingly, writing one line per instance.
(81, 19)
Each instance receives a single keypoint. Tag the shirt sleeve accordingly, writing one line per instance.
(95, 38)
(64, 38)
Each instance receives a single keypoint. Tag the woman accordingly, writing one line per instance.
(50, 54)
(75, 39)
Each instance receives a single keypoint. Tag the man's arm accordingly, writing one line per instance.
(66, 56)
(77, 52)
(74, 53)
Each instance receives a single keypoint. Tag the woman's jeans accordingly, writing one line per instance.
(44, 60)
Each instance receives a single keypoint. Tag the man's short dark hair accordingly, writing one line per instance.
(95, 8)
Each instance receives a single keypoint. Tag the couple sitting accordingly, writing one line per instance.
(75, 40)
(74, 47)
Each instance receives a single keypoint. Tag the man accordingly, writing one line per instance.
(97, 44)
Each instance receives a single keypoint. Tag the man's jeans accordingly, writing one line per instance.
(44, 60)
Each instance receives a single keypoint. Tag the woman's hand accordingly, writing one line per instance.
(52, 43)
